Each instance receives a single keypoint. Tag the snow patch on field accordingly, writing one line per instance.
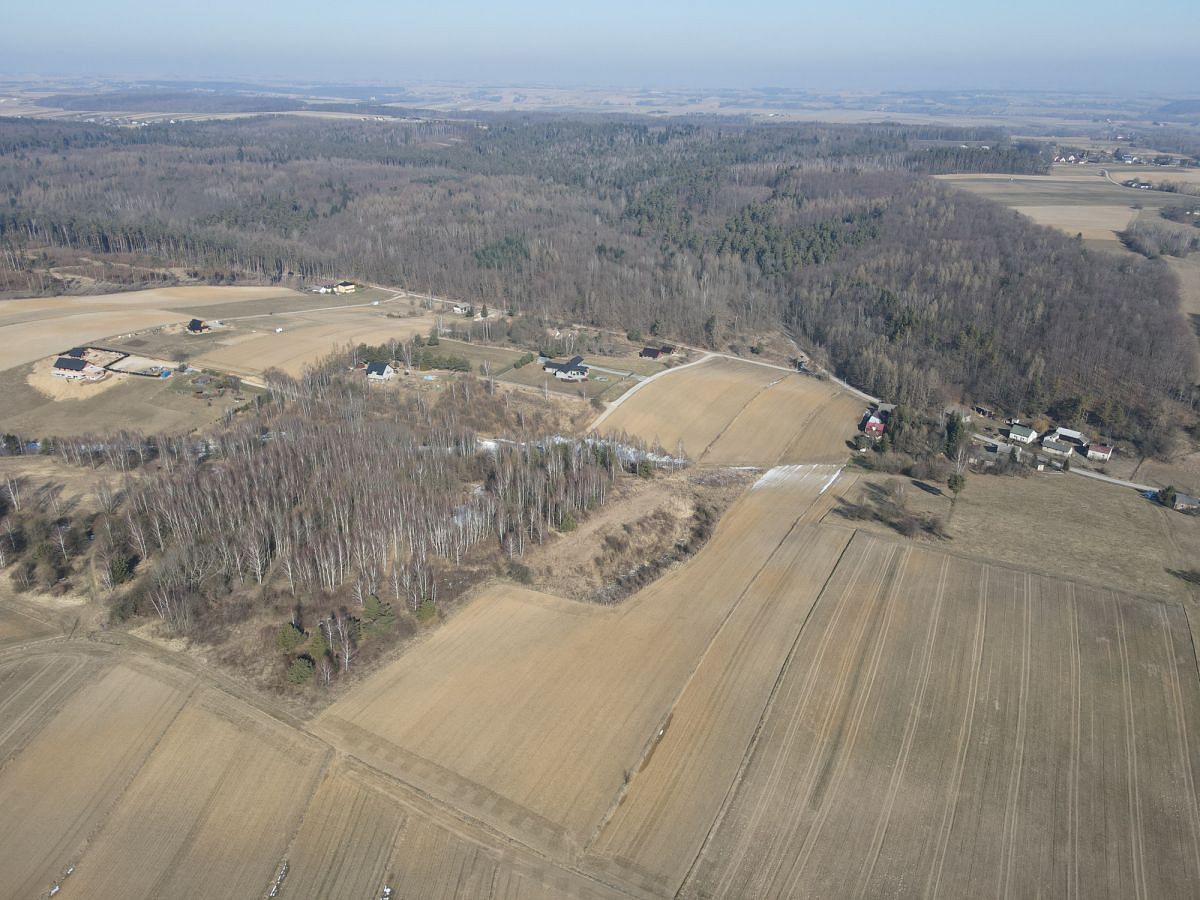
(785, 475)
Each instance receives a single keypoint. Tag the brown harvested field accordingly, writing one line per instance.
(1061, 525)
(656, 832)
(1093, 222)
(570, 696)
(307, 338)
(31, 329)
(224, 784)
(359, 835)
(52, 803)
(729, 412)
(32, 686)
(1073, 199)
(17, 627)
(345, 845)
(946, 727)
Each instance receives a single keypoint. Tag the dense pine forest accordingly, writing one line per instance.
(711, 233)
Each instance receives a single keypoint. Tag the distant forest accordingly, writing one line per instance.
(708, 232)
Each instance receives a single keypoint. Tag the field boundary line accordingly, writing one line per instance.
(736, 416)
(136, 773)
(768, 705)
(322, 773)
(1012, 804)
(616, 404)
(1137, 840)
(452, 818)
(871, 656)
(911, 724)
(934, 880)
(1076, 744)
(654, 740)
(1181, 724)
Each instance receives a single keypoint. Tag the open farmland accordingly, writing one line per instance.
(52, 803)
(1073, 199)
(238, 784)
(570, 696)
(946, 727)
(728, 412)
(306, 338)
(1014, 520)
(31, 329)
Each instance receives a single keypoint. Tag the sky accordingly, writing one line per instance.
(831, 45)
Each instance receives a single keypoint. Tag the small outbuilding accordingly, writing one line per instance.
(650, 353)
(1058, 448)
(1185, 503)
(1099, 452)
(76, 353)
(196, 326)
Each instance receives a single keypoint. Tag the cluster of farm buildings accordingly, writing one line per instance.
(1061, 443)
(341, 287)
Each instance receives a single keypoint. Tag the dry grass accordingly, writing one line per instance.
(131, 402)
(1061, 525)
(253, 346)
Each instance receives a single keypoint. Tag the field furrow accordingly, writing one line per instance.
(949, 728)
(51, 802)
(216, 788)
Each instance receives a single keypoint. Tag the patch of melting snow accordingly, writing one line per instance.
(782, 474)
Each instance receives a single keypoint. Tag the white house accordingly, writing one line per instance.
(345, 287)
(1022, 434)
(378, 371)
(572, 370)
(1101, 452)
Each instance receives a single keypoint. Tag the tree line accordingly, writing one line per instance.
(706, 232)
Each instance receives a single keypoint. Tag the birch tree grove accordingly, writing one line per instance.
(327, 492)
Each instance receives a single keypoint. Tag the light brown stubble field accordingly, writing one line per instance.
(951, 728)
(729, 412)
(31, 329)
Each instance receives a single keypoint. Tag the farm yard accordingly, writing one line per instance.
(724, 411)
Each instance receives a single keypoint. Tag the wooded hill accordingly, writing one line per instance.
(709, 233)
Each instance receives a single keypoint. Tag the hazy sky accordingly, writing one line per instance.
(853, 44)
